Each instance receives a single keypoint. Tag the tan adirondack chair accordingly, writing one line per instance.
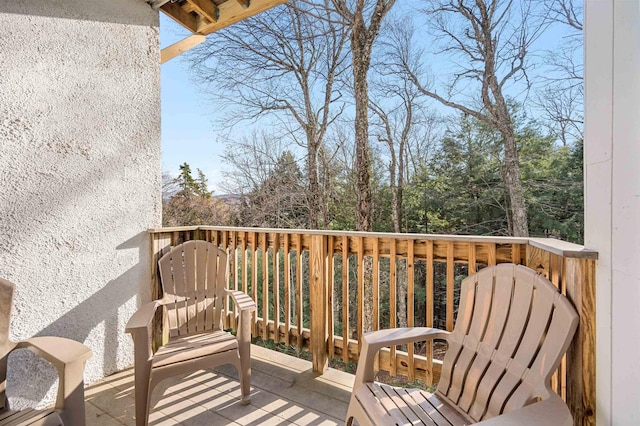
(67, 356)
(193, 277)
(513, 328)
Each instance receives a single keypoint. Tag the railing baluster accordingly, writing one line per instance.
(254, 279)
(410, 302)
(516, 256)
(265, 285)
(376, 284)
(329, 283)
(299, 288)
(429, 312)
(472, 258)
(450, 285)
(276, 287)
(234, 272)
(345, 298)
(491, 254)
(287, 288)
(393, 281)
(244, 263)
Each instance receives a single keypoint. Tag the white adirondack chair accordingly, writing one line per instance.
(512, 329)
(66, 355)
(193, 278)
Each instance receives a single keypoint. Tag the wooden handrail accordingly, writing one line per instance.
(306, 281)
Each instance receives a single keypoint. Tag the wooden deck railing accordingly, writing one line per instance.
(310, 290)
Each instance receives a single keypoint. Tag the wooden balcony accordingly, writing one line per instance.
(320, 290)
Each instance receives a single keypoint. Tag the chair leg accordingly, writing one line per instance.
(244, 373)
(142, 395)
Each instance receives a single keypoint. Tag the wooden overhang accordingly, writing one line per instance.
(206, 16)
(203, 17)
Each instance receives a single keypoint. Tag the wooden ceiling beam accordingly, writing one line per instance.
(182, 46)
(181, 16)
(244, 3)
(232, 12)
(206, 8)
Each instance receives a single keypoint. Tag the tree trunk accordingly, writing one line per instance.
(361, 51)
(313, 192)
(513, 184)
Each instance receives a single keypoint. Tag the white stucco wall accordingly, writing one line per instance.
(612, 200)
(79, 175)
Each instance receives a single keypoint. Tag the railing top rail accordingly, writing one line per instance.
(555, 246)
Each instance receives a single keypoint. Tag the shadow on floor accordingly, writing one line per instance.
(284, 391)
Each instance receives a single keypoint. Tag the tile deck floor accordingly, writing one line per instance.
(284, 391)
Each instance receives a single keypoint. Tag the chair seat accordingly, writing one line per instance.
(399, 406)
(30, 417)
(185, 348)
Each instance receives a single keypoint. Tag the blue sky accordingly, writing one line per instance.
(187, 125)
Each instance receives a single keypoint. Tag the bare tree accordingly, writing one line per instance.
(398, 122)
(265, 181)
(562, 110)
(566, 12)
(561, 95)
(363, 20)
(488, 42)
(285, 63)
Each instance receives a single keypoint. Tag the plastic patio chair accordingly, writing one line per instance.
(193, 276)
(67, 356)
(512, 329)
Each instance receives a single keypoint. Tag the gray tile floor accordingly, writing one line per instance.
(284, 391)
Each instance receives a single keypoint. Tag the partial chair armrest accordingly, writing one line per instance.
(374, 341)
(549, 412)
(59, 351)
(246, 306)
(143, 317)
(242, 300)
(69, 358)
(139, 325)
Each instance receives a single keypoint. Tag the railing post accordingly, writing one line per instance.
(581, 359)
(318, 301)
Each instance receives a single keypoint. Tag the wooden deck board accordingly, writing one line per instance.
(284, 390)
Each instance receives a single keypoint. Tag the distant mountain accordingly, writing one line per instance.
(231, 200)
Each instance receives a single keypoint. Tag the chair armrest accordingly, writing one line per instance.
(551, 411)
(246, 306)
(59, 351)
(374, 341)
(242, 300)
(143, 317)
(139, 325)
(69, 358)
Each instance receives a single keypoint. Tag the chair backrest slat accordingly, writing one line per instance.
(512, 329)
(202, 255)
(502, 293)
(221, 269)
(482, 307)
(190, 283)
(193, 280)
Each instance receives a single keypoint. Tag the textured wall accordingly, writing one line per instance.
(79, 175)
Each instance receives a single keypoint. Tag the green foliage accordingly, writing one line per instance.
(461, 191)
(188, 201)
(190, 186)
(280, 200)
